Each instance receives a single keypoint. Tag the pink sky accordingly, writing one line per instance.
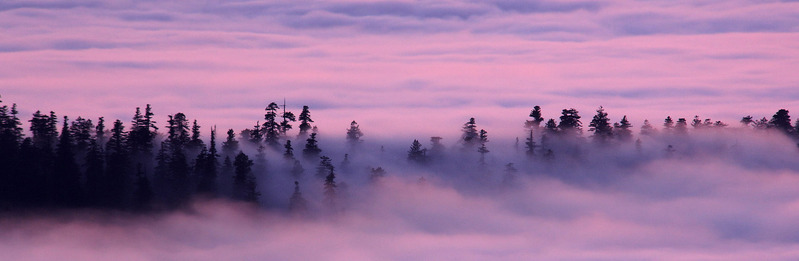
(433, 64)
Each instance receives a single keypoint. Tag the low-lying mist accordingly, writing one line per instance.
(714, 194)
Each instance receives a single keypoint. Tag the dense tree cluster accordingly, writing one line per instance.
(65, 163)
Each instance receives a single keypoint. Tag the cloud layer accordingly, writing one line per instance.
(223, 61)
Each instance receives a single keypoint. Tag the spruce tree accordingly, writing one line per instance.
(570, 122)
(297, 204)
(535, 114)
(416, 153)
(668, 125)
(288, 117)
(66, 179)
(289, 154)
(305, 118)
(244, 183)
(622, 129)
(551, 127)
(781, 121)
(325, 166)
(681, 127)
(117, 167)
(354, 134)
(271, 128)
(230, 145)
(600, 125)
(530, 144)
(311, 150)
(469, 137)
(647, 129)
(483, 149)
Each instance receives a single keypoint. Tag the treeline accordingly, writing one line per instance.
(81, 163)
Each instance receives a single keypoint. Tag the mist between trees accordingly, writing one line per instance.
(145, 165)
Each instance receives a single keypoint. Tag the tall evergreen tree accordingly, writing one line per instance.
(781, 121)
(668, 125)
(230, 145)
(288, 117)
(325, 166)
(570, 122)
(416, 153)
(469, 137)
(483, 149)
(141, 136)
(99, 132)
(289, 154)
(330, 191)
(95, 174)
(681, 127)
(600, 125)
(195, 144)
(311, 150)
(81, 131)
(117, 167)
(207, 167)
(256, 135)
(271, 128)
(551, 127)
(536, 120)
(305, 118)
(297, 204)
(244, 184)
(66, 180)
(647, 129)
(354, 133)
(622, 129)
(530, 144)
(44, 131)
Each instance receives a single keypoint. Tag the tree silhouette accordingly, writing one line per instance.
(325, 166)
(470, 136)
(244, 184)
(311, 150)
(647, 129)
(622, 129)
(66, 186)
(354, 134)
(271, 128)
(289, 154)
(297, 204)
(600, 125)
(570, 122)
(781, 121)
(305, 118)
(417, 154)
(535, 114)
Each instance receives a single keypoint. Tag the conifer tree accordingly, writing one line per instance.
(354, 134)
(530, 144)
(143, 193)
(622, 129)
(375, 174)
(551, 127)
(681, 127)
(271, 128)
(44, 131)
(781, 121)
(330, 190)
(668, 125)
(416, 154)
(647, 129)
(747, 120)
(95, 174)
(256, 135)
(141, 136)
(483, 149)
(230, 145)
(469, 137)
(99, 132)
(570, 122)
(81, 131)
(600, 125)
(297, 204)
(535, 114)
(244, 183)
(195, 144)
(117, 167)
(312, 149)
(325, 166)
(288, 117)
(289, 154)
(66, 180)
(305, 118)
(297, 169)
